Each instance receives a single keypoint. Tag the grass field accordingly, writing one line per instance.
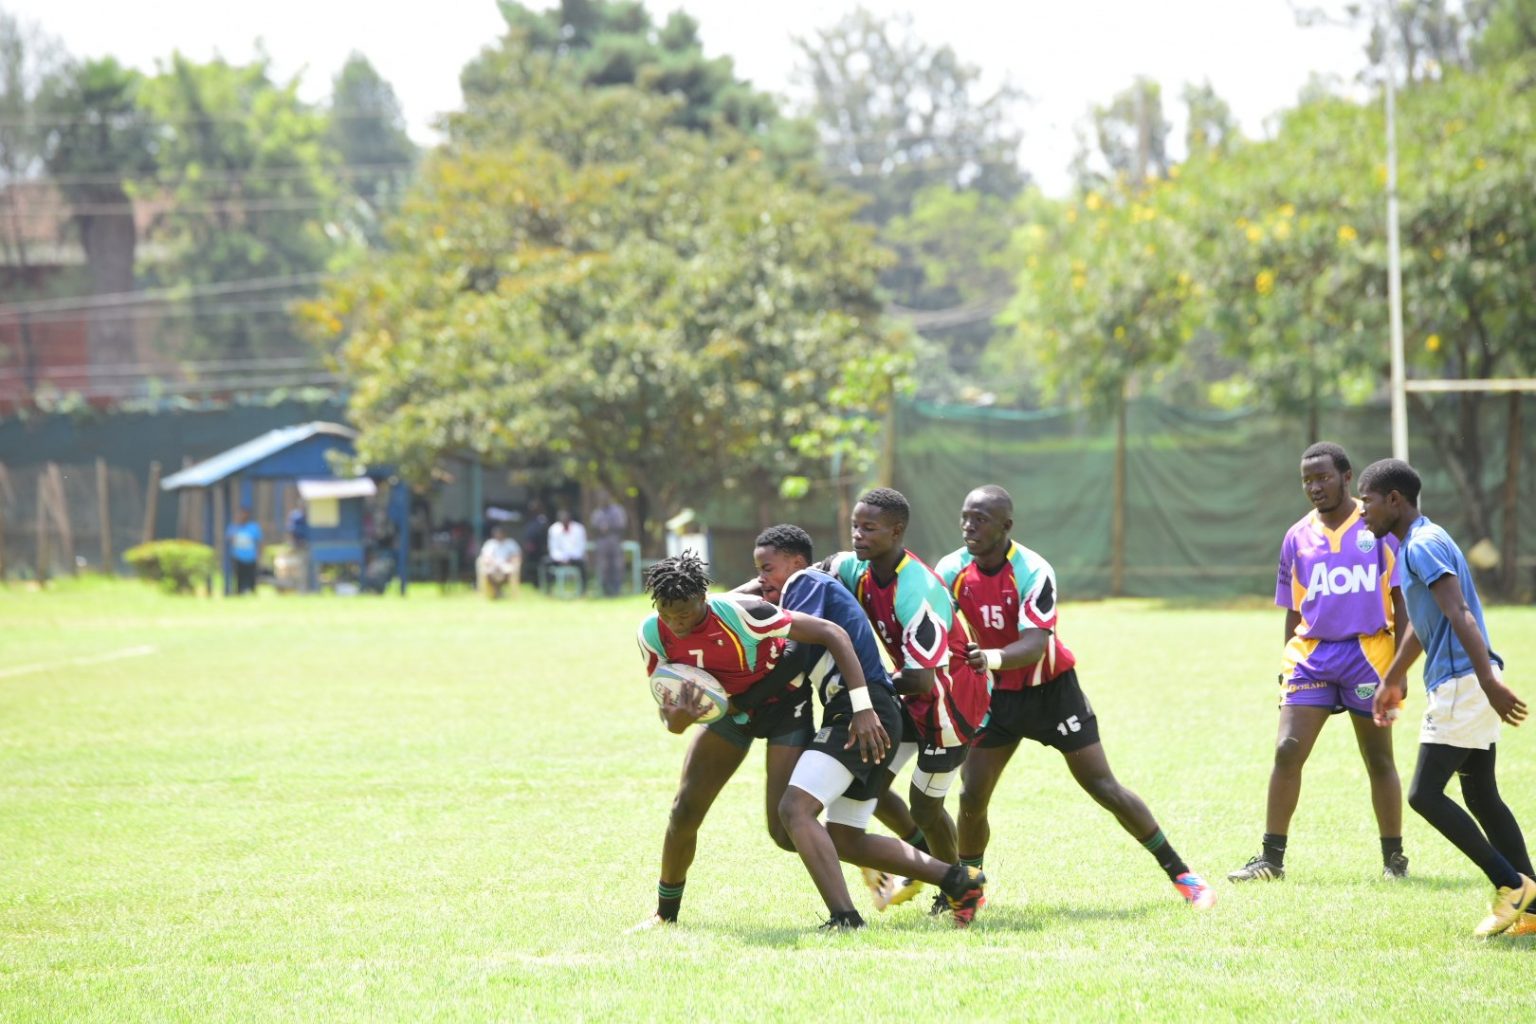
(445, 809)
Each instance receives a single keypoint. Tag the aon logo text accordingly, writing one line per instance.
(1342, 579)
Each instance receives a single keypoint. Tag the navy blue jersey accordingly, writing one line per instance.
(817, 593)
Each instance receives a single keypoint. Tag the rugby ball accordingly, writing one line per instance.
(668, 681)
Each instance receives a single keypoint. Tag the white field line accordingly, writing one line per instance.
(95, 659)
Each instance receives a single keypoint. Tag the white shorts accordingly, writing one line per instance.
(1458, 715)
(826, 778)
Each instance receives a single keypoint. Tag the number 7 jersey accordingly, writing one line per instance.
(738, 642)
(1020, 594)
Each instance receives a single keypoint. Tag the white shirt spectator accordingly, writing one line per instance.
(567, 542)
(500, 552)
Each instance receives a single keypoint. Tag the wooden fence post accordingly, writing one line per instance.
(104, 514)
(151, 503)
(61, 516)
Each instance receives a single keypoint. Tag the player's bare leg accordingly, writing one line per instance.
(978, 778)
(1299, 729)
(892, 812)
(799, 810)
(1297, 734)
(1386, 792)
(780, 765)
(1090, 769)
(938, 827)
(707, 767)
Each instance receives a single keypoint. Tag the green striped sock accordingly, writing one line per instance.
(668, 899)
(971, 862)
(1167, 858)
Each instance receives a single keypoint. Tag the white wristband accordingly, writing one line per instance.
(859, 698)
(994, 659)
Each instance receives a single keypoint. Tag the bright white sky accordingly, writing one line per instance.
(1065, 54)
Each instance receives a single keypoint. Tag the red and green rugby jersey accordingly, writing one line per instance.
(738, 642)
(999, 606)
(915, 621)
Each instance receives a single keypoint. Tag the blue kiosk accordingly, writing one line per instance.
(299, 456)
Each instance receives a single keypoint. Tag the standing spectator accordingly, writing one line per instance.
(500, 562)
(608, 526)
(244, 536)
(535, 531)
(568, 546)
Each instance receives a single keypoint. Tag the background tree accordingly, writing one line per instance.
(97, 141)
(598, 44)
(654, 308)
(911, 127)
(367, 130)
(27, 58)
(247, 187)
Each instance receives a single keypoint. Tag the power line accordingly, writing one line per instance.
(169, 311)
(254, 284)
(145, 120)
(274, 173)
(134, 390)
(172, 207)
(187, 369)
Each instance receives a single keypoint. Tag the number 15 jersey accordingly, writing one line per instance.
(1000, 605)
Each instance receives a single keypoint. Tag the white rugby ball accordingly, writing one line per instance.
(668, 681)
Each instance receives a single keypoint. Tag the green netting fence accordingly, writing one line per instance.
(1208, 496)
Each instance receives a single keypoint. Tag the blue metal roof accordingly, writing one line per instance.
(242, 457)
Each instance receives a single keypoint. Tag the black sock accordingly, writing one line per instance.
(1274, 848)
(668, 899)
(956, 881)
(1389, 846)
(1168, 859)
(917, 840)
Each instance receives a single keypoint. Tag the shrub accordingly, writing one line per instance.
(176, 564)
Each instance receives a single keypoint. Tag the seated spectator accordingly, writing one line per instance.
(500, 563)
(567, 546)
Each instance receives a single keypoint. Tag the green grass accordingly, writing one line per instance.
(446, 809)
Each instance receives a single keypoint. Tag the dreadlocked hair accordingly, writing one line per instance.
(679, 578)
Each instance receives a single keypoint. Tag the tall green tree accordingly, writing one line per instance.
(247, 184)
(653, 308)
(897, 115)
(367, 130)
(97, 142)
(911, 127)
(1128, 138)
(599, 44)
(27, 58)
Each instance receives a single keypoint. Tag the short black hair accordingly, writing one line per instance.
(993, 494)
(1387, 475)
(679, 578)
(788, 538)
(1331, 450)
(890, 502)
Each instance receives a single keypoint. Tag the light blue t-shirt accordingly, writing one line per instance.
(244, 541)
(1428, 554)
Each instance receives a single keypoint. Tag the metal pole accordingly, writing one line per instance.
(1394, 267)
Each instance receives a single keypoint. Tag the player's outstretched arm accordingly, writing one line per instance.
(865, 730)
(1453, 605)
(1023, 652)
